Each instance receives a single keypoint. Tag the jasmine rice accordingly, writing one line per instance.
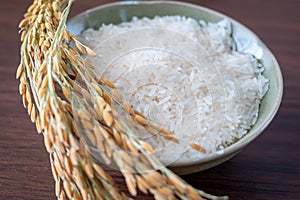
(184, 75)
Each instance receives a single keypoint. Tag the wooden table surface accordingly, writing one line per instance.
(269, 168)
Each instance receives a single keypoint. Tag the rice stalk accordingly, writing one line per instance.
(75, 109)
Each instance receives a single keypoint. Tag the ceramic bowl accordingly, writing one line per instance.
(246, 41)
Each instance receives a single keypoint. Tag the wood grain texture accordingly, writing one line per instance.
(269, 168)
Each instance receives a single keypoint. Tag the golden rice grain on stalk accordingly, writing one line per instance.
(100, 146)
(24, 100)
(128, 108)
(112, 143)
(32, 18)
(38, 125)
(55, 6)
(107, 118)
(117, 137)
(56, 64)
(51, 34)
(160, 129)
(105, 132)
(170, 138)
(54, 172)
(84, 114)
(132, 122)
(116, 95)
(66, 35)
(118, 128)
(39, 81)
(147, 147)
(74, 143)
(90, 52)
(124, 143)
(158, 177)
(72, 51)
(23, 24)
(141, 120)
(65, 106)
(58, 166)
(20, 68)
(126, 168)
(98, 89)
(107, 160)
(80, 47)
(107, 98)
(91, 136)
(86, 124)
(162, 191)
(29, 107)
(33, 114)
(36, 9)
(47, 142)
(131, 183)
(46, 44)
(191, 191)
(84, 193)
(100, 171)
(85, 94)
(88, 169)
(108, 150)
(41, 41)
(158, 196)
(58, 187)
(72, 57)
(126, 156)
(76, 195)
(155, 179)
(97, 133)
(67, 188)
(42, 68)
(62, 196)
(151, 130)
(142, 184)
(42, 92)
(23, 35)
(77, 178)
(43, 118)
(23, 78)
(31, 7)
(73, 157)
(60, 145)
(150, 180)
(27, 15)
(144, 164)
(108, 83)
(35, 76)
(68, 165)
(54, 53)
(61, 132)
(173, 180)
(28, 95)
(131, 147)
(197, 147)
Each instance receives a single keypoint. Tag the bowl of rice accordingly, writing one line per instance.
(202, 76)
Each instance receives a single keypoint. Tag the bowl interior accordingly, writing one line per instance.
(124, 11)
